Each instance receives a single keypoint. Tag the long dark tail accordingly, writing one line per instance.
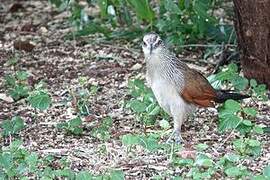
(222, 96)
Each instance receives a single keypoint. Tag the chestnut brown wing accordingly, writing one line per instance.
(197, 89)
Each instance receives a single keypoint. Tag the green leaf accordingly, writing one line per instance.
(19, 91)
(103, 5)
(253, 143)
(91, 28)
(201, 7)
(233, 172)
(204, 162)
(76, 130)
(229, 121)
(250, 111)
(6, 160)
(201, 147)
(155, 111)
(239, 82)
(130, 139)
(214, 81)
(183, 162)
(150, 143)
(266, 171)
(253, 83)
(12, 126)
(229, 73)
(232, 157)
(232, 105)
(164, 124)
(172, 7)
(239, 145)
(84, 175)
(117, 175)
(32, 159)
(57, 3)
(259, 177)
(75, 122)
(137, 106)
(15, 145)
(258, 129)
(247, 122)
(18, 124)
(22, 75)
(7, 127)
(64, 173)
(10, 80)
(40, 100)
(142, 9)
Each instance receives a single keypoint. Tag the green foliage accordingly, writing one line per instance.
(39, 97)
(102, 132)
(231, 76)
(12, 127)
(236, 171)
(40, 100)
(259, 90)
(73, 126)
(149, 142)
(84, 175)
(17, 85)
(233, 116)
(189, 20)
(117, 175)
(81, 96)
(13, 60)
(142, 9)
(266, 171)
(143, 103)
(247, 146)
(18, 163)
(264, 176)
(19, 88)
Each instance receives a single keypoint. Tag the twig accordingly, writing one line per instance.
(222, 58)
(56, 151)
(48, 123)
(206, 45)
(229, 40)
(230, 135)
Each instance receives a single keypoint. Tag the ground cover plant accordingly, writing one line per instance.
(74, 103)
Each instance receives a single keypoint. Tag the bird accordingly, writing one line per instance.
(177, 88)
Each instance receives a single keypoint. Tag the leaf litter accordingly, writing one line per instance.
(60, 63)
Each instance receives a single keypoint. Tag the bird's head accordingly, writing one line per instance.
(152, 44)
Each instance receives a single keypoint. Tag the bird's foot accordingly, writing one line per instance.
(175, 137)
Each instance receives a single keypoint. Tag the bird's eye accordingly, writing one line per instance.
(159, 42)
(144, 44)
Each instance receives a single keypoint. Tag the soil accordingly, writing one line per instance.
(34, 33)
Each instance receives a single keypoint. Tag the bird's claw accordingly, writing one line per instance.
(175, 137)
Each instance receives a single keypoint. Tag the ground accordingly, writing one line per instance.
(61, 62)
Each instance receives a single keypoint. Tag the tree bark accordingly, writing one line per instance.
(252, 25)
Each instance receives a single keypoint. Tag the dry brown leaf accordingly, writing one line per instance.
(187, 154)
(23, 45)
(6, 98)
(16, 7)
(28, 27)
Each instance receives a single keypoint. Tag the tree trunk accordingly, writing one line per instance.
(252, 24)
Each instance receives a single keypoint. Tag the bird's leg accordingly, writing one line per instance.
(178, 119)
(175, 136)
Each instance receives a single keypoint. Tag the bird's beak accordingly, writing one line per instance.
(151, 48)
